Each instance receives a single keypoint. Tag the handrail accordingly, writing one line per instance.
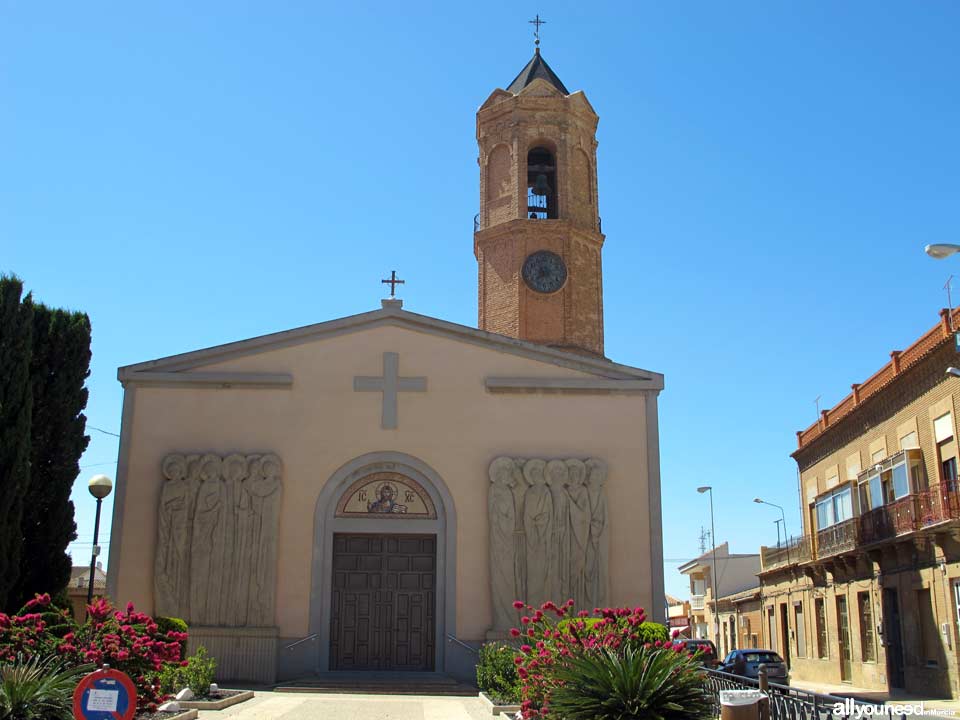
(301, 640)
(462, 644)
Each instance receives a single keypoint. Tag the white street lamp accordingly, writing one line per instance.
(940, 251)
(99, 486)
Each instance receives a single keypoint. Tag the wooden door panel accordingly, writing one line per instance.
(382, 611)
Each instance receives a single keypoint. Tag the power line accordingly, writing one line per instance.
(105, 432)
(84, 467)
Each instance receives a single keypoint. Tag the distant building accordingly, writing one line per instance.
(678, 616)
(735, 572)
(869, 594)
(79, 583)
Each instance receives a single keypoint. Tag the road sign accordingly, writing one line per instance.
(105, 695)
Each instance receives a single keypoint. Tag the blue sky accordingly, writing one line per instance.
(191, 174)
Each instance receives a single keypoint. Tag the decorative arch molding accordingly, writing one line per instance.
(326, 523)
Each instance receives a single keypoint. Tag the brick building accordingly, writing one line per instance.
(869, 594)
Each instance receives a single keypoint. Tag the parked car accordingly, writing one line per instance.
(706, 647)
(747, 663)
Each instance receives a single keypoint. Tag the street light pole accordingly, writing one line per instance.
(714, 579)
(783, 516)
(99, 486)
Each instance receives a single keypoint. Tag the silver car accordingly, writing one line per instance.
(747, 664)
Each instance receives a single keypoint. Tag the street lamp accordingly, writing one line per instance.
(941, 251)
(716, 591)
(783, 515)
(99, 486)
(955, 372)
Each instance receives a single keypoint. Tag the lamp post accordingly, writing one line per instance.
(99, 486)
(783, 516)
(713, 581)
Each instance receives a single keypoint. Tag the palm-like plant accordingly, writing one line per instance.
(35, 689)
(635, 682)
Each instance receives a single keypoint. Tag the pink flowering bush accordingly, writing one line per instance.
(127, 640)
(604, 666)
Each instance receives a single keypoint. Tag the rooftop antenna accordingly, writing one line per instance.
(704, 536)
(537, 22)
(817, 402)
(949, 303)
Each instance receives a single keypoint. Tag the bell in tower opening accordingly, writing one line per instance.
(539, 281)
(541, 179)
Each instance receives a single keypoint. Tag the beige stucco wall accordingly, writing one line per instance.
(457, 427)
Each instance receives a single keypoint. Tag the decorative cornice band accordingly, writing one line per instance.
(569, 385)
(216, 380)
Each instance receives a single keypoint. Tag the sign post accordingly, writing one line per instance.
(105, 694)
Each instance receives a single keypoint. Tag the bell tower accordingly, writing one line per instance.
(537, 238)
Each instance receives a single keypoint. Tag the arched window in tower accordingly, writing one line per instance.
(541, 185)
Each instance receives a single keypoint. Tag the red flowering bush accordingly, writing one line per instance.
(555, 644)
(127, 640)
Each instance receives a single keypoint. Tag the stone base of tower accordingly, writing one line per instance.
(570, 318)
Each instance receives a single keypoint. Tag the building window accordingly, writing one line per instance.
(834, 508)
(800, 629)
(541, 184)
(771, 628)
(868, 648)
(821, 611)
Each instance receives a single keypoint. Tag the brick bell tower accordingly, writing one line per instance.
(537, 238)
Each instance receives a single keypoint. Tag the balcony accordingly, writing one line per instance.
(910, 513)
(697, 602)
(794, 551)
(837, 539)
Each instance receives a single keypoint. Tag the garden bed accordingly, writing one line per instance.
(218, 700)
(182, 715)
(496, 706)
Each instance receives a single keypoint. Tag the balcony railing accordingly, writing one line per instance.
(837, 538)
(795, 550)
(697, 602)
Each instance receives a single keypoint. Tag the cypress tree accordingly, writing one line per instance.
(16, 331)
(59, 366)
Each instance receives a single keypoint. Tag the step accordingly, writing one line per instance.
(379, 683)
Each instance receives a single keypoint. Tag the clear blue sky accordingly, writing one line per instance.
(196, 173)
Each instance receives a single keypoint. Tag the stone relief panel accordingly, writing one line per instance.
(387, 494)
(549, 534)
(217, 539)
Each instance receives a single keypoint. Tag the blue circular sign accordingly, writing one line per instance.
(105, 695)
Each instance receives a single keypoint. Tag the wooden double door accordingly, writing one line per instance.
(383, 603)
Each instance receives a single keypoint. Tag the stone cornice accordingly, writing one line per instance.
(589, 386)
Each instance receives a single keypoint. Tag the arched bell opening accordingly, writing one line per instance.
(541, 184)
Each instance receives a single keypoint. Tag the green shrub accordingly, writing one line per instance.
(497, 673)
(652, 632)
(197, 674)
(36, 689)
(634, 682)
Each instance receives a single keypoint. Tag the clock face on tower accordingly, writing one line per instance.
(544, 271)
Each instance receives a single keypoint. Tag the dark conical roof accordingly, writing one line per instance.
(536, 68)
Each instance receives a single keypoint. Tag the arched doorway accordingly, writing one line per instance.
(383, 572)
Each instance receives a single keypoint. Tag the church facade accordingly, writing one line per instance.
(374, 492)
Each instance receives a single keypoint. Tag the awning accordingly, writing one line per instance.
(680, 630)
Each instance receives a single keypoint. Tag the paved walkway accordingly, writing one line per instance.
(880, 696)
(315, 706)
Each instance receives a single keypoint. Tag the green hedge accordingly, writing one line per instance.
(497, 673)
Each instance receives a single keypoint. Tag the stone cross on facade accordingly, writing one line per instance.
(390, 384)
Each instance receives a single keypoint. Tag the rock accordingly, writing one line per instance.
(170, 706)
(185, 694)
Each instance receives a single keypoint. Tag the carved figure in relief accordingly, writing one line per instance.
(235, 564)
(172, 565)
(264, 489)
(579, 533)
(537, 525)
(557, 478)
(208, 544)
(503, 519)
(520, 486)
(598, 551)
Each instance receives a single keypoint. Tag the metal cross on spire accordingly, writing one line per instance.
(537, 22)
(393, 281)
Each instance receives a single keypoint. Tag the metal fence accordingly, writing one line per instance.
(788, 703)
